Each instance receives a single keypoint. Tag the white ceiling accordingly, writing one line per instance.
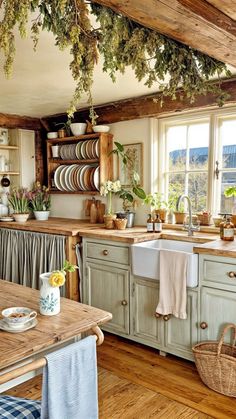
(42, 84)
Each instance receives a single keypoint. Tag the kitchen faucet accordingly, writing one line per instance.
(190, 227)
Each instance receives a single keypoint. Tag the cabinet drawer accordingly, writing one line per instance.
(107, 252)
(219, 272)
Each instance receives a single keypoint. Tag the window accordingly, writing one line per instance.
(197, 157)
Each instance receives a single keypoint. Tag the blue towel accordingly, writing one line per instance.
(70, 382)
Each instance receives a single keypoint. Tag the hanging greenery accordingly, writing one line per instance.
(119, 40)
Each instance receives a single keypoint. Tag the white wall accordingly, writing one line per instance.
(127, 132)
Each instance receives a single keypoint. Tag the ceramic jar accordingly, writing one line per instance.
(49, 303)
(41, 215)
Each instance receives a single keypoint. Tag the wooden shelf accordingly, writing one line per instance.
(61, 161)
(105, 160)
(9, 147)
(9, 173)
(56, 191)
(72, 139)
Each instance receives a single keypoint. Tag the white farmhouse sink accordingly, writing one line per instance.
(145, 258)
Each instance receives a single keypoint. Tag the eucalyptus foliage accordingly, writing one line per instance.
(119, 40)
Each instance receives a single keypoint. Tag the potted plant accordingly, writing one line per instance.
(230, 192)
(40, 201)
(109, 188)
(18, 200)
(175, 190)
(130, 195)
(158, 204)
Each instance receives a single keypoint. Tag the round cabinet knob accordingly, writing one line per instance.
(232, 274)
(166, 318)
(203, 325)
(105, 252)
(124, 303)
(157, 315)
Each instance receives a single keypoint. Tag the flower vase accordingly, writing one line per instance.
(49, 304)
(109, 221)
(41, 215)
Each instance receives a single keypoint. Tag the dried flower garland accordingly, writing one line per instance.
(119, 40)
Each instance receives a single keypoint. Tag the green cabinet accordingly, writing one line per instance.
(145, 325)
(174, 336)
(108, 289)
(218, 307)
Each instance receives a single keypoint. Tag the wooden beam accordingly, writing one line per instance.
(146, 107)
(225, 6)
(16, 121)
(195, 23)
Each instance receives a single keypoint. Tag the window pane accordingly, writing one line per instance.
(228, 138)
(228, 179)
(198, 142)
(176, 147)
(197, 190)
(176, 188)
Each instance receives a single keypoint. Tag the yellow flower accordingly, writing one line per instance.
(57, 279)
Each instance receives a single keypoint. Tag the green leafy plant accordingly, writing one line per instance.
(156, 201)
(18, 200)
(122, 43)
(129, 195)
(230, 191)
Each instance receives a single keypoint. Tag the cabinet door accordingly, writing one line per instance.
(108, 288)
(217, 309)
(145, 298)
(181, 335)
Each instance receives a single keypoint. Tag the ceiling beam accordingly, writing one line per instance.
(194, 23)
(16, 121)
(146, 107)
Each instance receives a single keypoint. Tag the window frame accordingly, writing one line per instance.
(215, 117)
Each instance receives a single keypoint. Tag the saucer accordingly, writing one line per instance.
(18, 329)
(6, 219)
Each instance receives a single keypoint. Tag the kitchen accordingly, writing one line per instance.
(134, 121)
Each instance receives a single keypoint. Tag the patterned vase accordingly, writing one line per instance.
(49, 303)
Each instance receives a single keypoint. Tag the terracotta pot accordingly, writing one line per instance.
(162, 214)
(109, 221)
(120, 223)
(180, 217)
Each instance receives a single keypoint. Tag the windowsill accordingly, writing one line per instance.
(203, 229)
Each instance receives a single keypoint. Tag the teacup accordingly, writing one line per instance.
(18, 316)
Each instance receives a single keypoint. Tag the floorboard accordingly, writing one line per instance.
(136, 382)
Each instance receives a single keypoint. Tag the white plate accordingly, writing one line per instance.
(30, 324)
(96, 178)
(57, 177)
(6, 219)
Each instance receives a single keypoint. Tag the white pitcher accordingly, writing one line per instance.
(49, 303)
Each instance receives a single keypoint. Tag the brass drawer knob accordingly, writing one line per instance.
(203, 325)
(232, 274)
(124, 303)
(166, 317)
(105, 252)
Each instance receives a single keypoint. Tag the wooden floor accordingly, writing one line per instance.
(136, 383)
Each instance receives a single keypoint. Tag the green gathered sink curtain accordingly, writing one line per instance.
(24, 255)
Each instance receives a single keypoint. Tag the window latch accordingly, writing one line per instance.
(217, 170)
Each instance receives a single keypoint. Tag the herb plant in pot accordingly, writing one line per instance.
(230, 192)
(158, 204)
(40, 202)
(18, 200)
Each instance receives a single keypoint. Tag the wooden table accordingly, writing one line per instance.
(73, 319)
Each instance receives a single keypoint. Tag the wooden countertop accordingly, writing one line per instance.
(217, 248)
(75, 227)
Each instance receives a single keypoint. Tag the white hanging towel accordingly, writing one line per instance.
(173, 284)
